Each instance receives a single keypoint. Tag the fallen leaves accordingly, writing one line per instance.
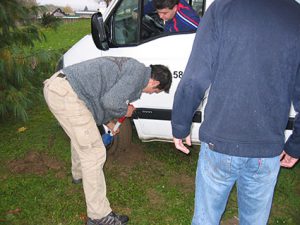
(22, 129)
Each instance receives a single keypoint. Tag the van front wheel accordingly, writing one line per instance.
(123, 139)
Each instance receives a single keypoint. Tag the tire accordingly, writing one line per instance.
(123, 139)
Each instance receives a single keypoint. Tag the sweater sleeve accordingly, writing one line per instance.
(188, 15)
(197, 76)
(127, 89)
(292, 146)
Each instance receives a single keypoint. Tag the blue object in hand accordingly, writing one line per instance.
(107, 139)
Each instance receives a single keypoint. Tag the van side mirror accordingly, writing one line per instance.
(98, 32)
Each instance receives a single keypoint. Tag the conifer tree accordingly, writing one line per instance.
(21, 68)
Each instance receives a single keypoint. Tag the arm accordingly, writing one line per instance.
(114, 126)
(115, 101)
(188, 17)
(291, 151)
(196, 79)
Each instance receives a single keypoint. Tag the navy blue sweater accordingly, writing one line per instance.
(248, 53)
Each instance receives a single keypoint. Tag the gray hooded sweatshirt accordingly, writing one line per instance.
(107, 84)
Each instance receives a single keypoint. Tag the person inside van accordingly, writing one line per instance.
(178, 15)
(91, 93)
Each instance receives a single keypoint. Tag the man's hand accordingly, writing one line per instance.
(130, 110)
(287, 160)
(111, 124)
(180, 146)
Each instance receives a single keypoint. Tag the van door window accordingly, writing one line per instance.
(131, 25)
(125, 23)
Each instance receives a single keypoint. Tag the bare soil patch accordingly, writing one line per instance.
(38, 163)
(183, 181)
(128, 157)
(155, 198)
(231, 221)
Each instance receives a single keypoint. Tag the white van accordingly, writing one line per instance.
(124, 30)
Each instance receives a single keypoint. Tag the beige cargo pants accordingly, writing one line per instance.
(87, 150)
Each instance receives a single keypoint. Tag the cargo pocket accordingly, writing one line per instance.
(56, 96)
(85, 132)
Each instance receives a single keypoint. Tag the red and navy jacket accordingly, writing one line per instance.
(185, 19)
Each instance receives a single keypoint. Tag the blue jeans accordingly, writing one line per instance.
(217, 173)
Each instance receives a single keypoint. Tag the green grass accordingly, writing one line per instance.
(66, 35)
(154, 186)
(157, 188)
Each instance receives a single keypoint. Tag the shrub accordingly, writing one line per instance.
(49, 20)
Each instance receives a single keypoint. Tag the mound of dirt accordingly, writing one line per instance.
(40, 163)
(35, 163)
(128, 157)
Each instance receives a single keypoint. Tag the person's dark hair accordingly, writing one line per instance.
(163, 75)
(161, 4)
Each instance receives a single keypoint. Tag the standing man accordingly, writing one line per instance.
(178, 15)
(248, 53)
(92, 93)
